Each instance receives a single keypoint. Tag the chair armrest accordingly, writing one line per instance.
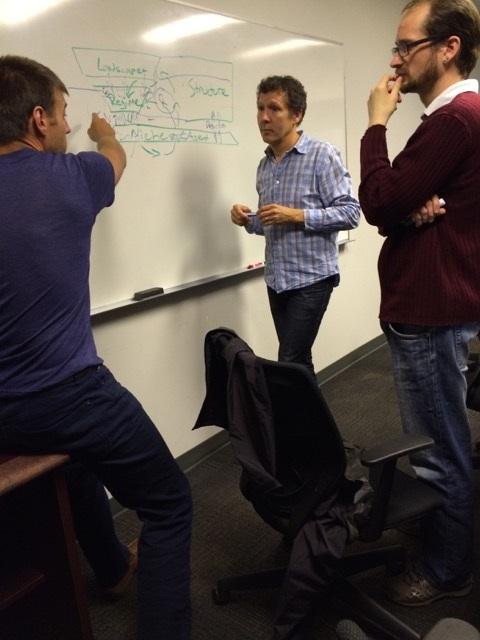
(382, 460)
(395, 448)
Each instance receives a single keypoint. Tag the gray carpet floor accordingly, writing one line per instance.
(229, 538)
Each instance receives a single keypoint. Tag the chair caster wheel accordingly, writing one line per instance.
(220, 597)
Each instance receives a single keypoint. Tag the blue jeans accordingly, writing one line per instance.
(429, 365)
(297, 314)
(103, 427)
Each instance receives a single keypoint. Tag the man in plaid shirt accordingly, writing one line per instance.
(305, 198)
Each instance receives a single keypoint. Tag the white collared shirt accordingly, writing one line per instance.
(450, 93)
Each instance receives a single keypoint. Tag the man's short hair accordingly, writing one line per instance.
(454, 18)
(293, 89)
(24, 85)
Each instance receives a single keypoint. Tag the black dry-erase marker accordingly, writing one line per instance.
(147, 293)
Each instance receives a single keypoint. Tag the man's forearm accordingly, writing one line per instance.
(111, 148)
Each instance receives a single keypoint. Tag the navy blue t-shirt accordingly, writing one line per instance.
(48, 205)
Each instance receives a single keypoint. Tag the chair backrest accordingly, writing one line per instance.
(305, 431)
(276, 406)
(310, 457)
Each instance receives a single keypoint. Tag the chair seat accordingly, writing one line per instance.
(424, 499)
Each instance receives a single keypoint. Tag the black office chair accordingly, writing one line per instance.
(294, 473)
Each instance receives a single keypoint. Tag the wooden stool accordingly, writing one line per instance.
(40, 570)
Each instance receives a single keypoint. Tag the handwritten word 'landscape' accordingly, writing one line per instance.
(160, 102)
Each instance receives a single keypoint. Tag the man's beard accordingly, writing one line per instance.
(425, 82)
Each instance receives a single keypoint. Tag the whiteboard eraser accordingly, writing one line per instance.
(147, 293)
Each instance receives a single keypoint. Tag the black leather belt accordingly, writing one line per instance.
(80, 374)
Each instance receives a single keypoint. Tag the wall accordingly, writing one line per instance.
(158, 352)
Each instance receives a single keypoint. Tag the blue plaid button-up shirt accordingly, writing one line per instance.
(312, 177)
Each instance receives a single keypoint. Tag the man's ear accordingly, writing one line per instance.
(452, 48)
(297, 117)
(39, 121)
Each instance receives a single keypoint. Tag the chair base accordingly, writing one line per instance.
(348, 599)
(269, 579)
(392, 557)
(345, 597)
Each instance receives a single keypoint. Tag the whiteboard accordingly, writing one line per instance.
(186, 114)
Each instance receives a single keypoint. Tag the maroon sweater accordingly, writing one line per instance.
(429, 275)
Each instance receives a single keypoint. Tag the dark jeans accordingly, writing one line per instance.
(102, 426)
(94, 528)
(297, 315)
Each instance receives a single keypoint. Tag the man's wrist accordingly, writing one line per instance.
(377, 120)
(300, 216)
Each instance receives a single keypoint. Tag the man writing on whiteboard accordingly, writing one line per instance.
(55, 393)
(430, 270)
(305, 198)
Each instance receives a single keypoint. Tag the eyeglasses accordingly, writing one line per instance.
(403, 47)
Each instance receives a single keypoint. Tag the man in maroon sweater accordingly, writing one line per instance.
(429, 268)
